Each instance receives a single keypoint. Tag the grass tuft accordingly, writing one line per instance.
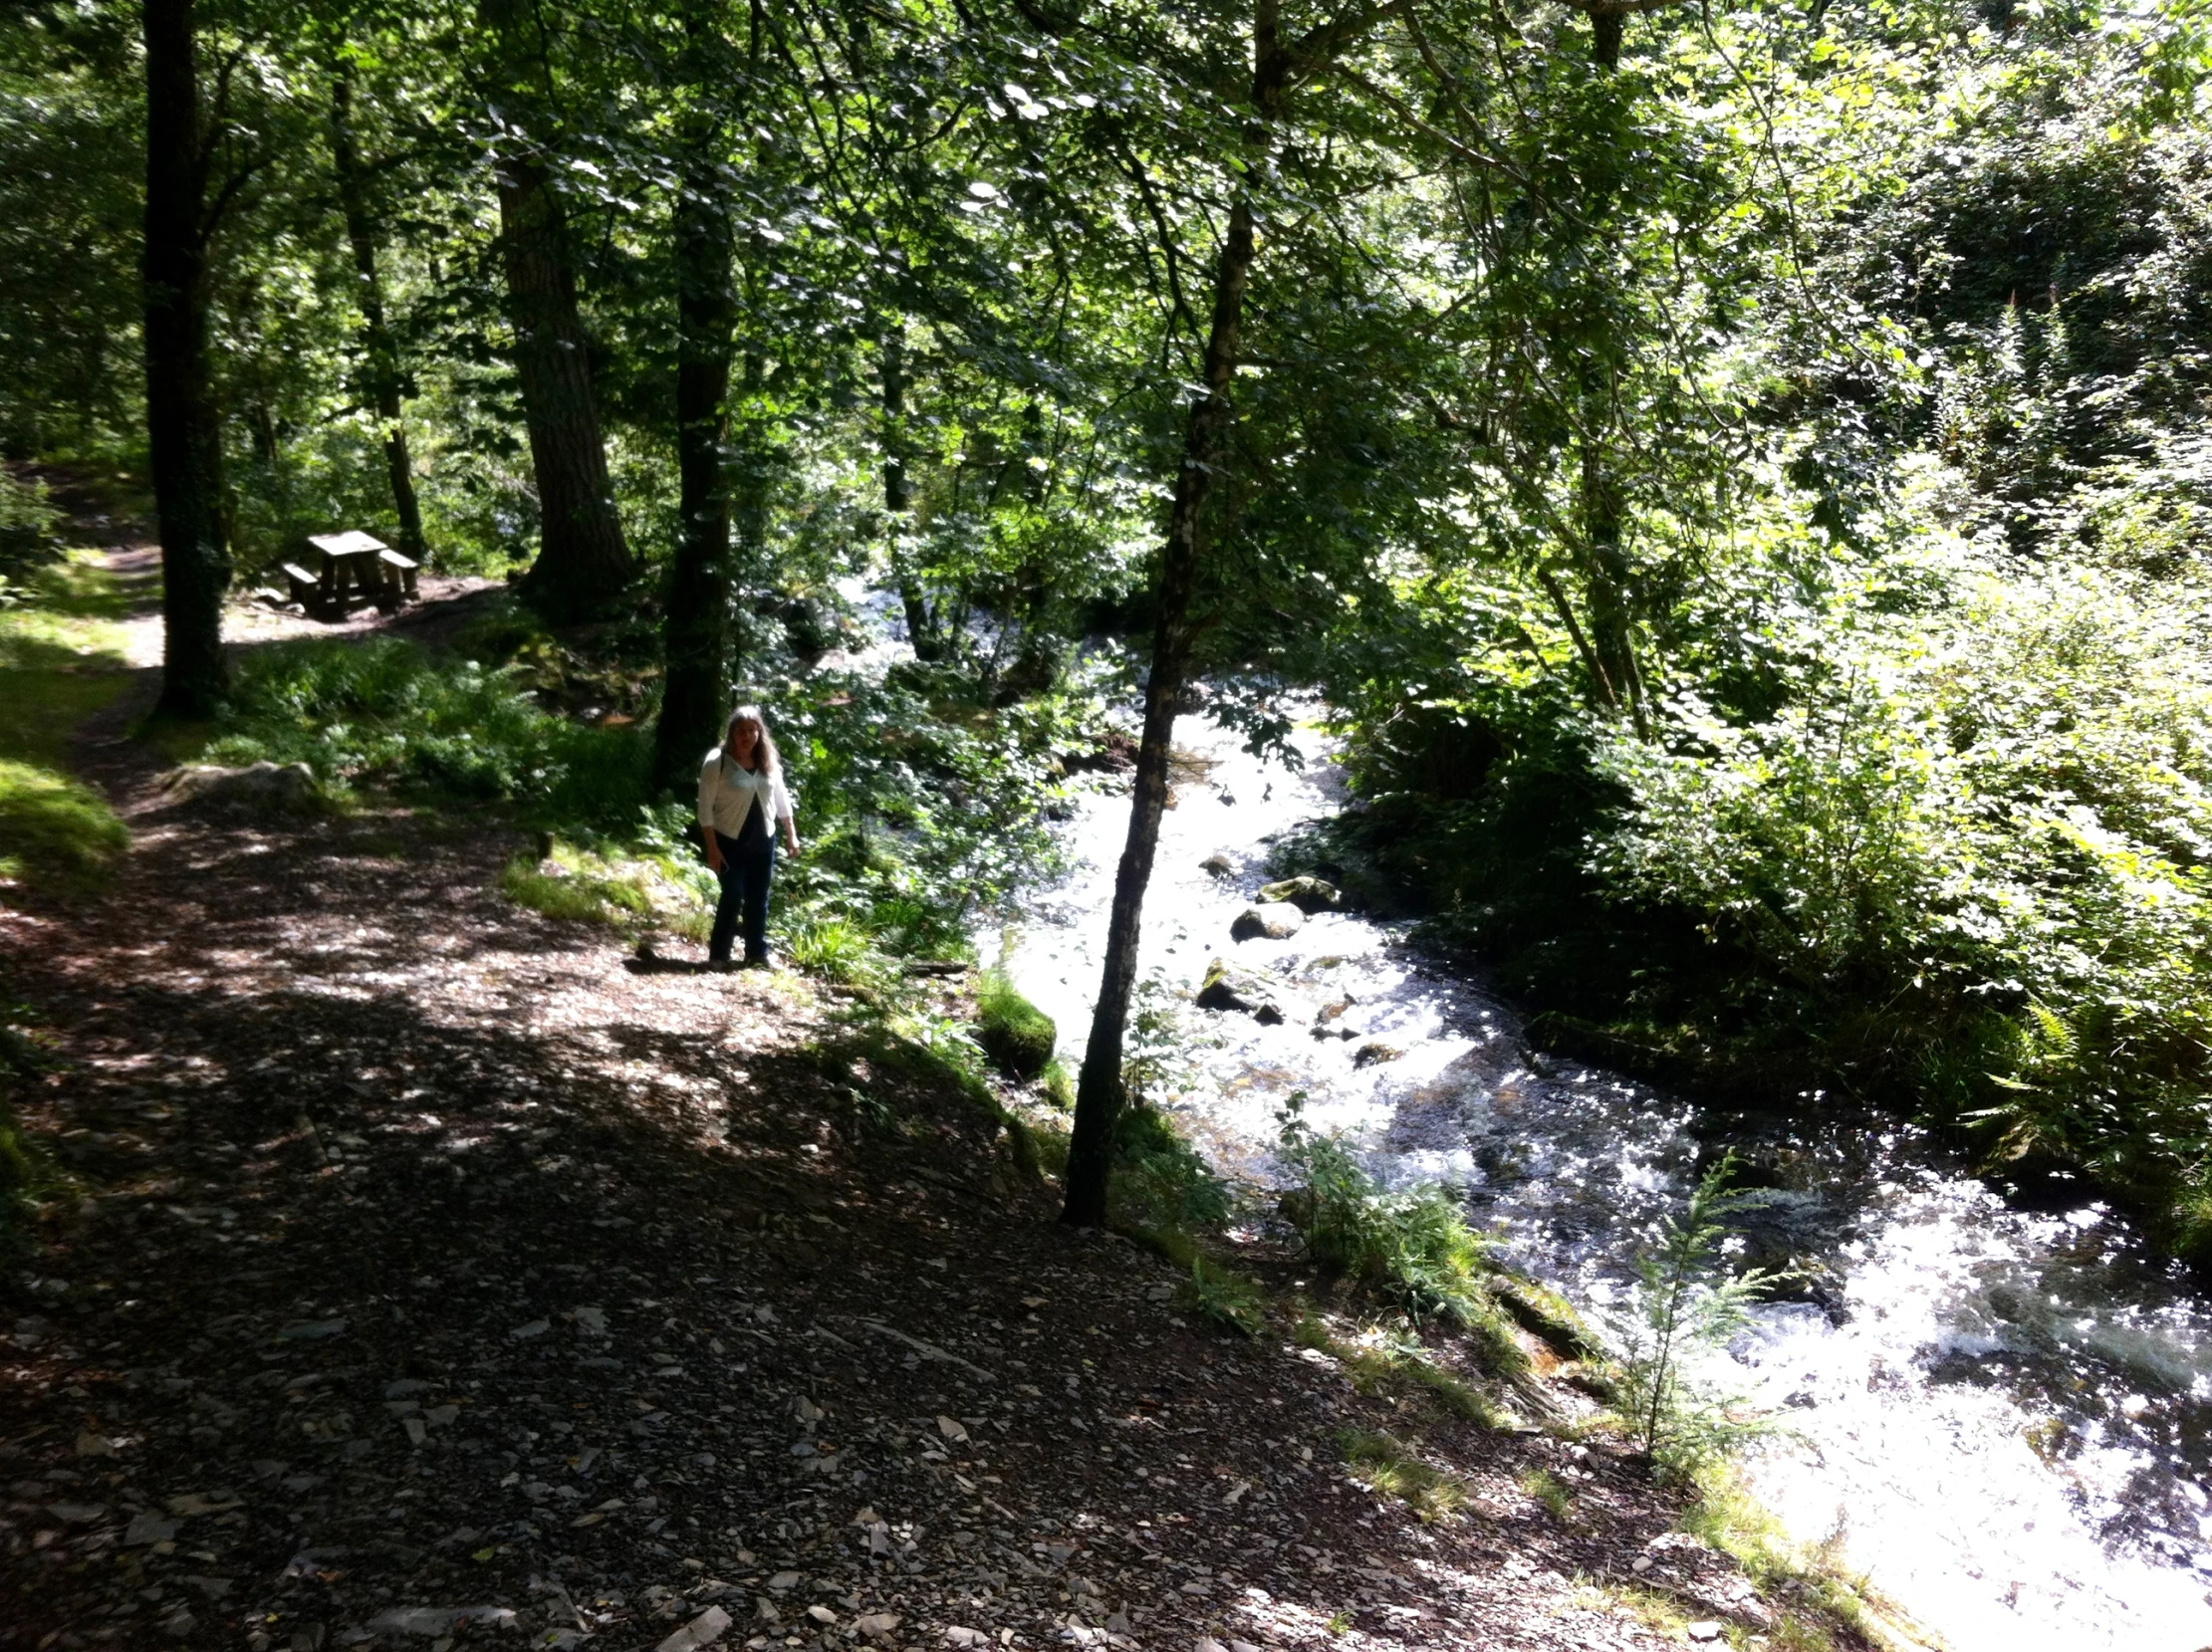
(55, 833)
(1395, 1468)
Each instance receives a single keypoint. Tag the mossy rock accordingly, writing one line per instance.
(1546, 1315)
(1307, 894)
(1018, 1037)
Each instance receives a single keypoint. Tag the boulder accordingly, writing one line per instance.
(1307, 894)
(257, 786)
(1275, 921)
(1247, 992)
(1368, 1054)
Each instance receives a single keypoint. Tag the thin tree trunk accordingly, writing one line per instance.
(384, 379)
(183, 435)
(899, 495)
(583, 560)
(1605, 572)
(1099, 1094)
(695, 629)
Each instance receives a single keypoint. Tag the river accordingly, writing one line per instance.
(2003, 1415)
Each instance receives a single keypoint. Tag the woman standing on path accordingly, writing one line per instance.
(741, 803)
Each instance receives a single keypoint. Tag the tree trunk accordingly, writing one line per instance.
(583, 559)
(1098, 1095)
(899, 495)
(1605, 581)
(695, 629)
(183, 436)
(382, 378)
(1605, 571)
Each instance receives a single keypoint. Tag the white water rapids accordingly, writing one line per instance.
(2007, 1416)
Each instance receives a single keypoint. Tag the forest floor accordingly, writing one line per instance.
(427, 1277)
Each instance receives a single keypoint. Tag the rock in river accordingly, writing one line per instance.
(1307, 894)
(1248, 990)
(1277, 920)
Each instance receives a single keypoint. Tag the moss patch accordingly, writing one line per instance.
(1018, 1037)
(55, 833)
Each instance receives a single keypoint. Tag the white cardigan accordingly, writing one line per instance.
(728, 793)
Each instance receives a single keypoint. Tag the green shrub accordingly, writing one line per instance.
(1686, 1307)
(837, 949)
(1223, 1299)
(55, 832)
(29, 532)
(1414, 1246)
(1057, 1081)
(1018, 1037)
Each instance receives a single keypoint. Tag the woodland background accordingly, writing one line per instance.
(1737, 475)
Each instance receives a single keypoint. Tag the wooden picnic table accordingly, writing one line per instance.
(350, 567)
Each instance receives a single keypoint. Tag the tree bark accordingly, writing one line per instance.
(382, 378)
(583, 562)
(898, 497)
(184, 433)
(1607, 577)
(695, 628)
(1099, 1094)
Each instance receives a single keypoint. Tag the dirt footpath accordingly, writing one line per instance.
(429, 1278)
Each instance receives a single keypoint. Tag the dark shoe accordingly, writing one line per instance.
(757, 961)
(720, 966)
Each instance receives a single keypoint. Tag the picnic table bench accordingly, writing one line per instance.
(350, 567)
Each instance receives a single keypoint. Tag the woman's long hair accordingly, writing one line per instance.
(766, 758)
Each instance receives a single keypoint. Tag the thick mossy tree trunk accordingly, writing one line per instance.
(1099, 1097)
(383, 380)
(695, 628)
(183, 432)
(583, 562)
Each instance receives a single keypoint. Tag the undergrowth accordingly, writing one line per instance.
(383, 713)
(1413, 1247)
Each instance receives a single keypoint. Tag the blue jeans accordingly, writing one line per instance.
(747, 871)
